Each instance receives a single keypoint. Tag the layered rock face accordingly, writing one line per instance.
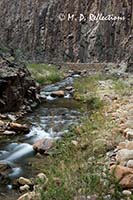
(47, 29)
(16, 86)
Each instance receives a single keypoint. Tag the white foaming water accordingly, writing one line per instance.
(50, 98)
(16, 172)
(9, 187)
(76, 75)
(67, 96)
(37, 133)
(20, 151)
(11, 146)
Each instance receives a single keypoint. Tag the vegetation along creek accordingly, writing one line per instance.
(66, 100)
(65, 139)
(53, 118)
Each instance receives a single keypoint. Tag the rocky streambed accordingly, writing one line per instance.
(48, 123)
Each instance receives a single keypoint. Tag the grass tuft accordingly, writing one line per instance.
(44, 73)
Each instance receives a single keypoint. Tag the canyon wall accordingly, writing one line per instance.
(57, 31)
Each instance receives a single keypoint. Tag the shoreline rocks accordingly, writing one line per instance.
(16, 85)
(123, 165)
(19, 127)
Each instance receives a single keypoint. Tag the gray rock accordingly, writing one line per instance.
(43, 145)
(9, 132)
(127, 192)
(24, 188)
(130, 164)
(124, 155)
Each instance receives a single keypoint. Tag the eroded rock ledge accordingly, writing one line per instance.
(17, 88)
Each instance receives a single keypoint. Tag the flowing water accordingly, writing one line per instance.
(51, 119)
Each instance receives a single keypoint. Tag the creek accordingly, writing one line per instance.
(51, 119)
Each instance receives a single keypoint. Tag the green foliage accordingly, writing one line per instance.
(121, 87)
(94, 103)
(4, 49)
(44, 73)
(86, 88)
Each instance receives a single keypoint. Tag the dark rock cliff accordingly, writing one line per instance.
(37, 28)
(17, 88)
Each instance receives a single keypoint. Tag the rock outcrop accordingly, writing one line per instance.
(16, 86)
(63, 31)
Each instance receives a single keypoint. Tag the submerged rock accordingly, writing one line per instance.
(5, 169)
(59, 93)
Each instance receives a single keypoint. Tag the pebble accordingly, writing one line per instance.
(9, 132)
(2, 123)
(124, 155)
(24, 181)
(24, 188)
(130, 164)
(68, 88)
(74, 142)
(126, 192)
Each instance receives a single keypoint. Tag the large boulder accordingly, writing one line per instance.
(16, 86)
(4, 168)
(43, 145)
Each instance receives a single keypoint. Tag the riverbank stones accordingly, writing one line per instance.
(124, 155)
(130, 164)
(124, 175)
(19, 127)
(24, 181)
